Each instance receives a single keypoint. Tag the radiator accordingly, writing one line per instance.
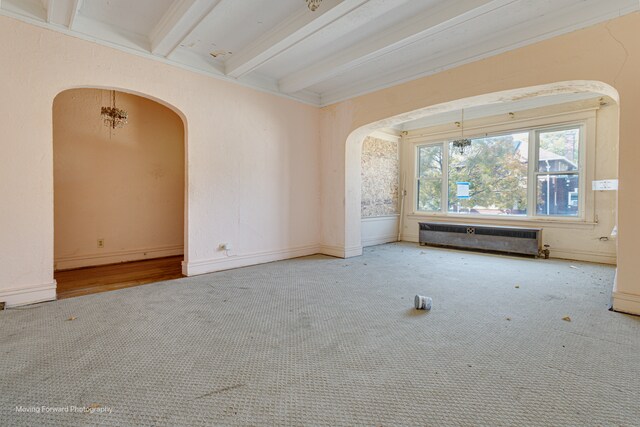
(517, 240)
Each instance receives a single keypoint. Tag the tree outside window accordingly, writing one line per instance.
(491, 176)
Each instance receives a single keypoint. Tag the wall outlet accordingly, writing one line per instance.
(100, 243)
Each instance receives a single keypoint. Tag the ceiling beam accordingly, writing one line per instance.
(61, 12)
(288, 34)
(75, 8)
(50, 4)
(177, 23)
(420, 27)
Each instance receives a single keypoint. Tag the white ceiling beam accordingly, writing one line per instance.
(420, 27)
(177, 23)
(288, 34)
(75, 8)
(59, 11)
(49, 5)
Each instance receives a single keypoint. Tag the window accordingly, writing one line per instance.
(495, 169)
(557, 173)
(430, 164)
(493, 175)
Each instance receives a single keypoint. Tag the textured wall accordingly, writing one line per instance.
(380, 173)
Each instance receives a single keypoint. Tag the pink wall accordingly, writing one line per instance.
(609, 53)
(123, 185)
(252, 170)
(253, 175)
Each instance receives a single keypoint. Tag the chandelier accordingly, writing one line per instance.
(114, 117)
(313, 4)
(463, 142)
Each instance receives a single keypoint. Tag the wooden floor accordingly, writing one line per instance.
(91, 280)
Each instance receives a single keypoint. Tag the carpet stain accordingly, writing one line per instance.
(221, 390)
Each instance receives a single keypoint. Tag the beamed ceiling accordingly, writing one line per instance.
(343, 49)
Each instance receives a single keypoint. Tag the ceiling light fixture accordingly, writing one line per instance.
(313, 4)
(114, 117)
(463, 142)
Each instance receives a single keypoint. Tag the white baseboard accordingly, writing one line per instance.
(24, 295)
(113, 257)
(340, 251)
(569, 254)
(414, 238)
(353, 251)
(588, 256)
(626, 303)
(193, 268)
(379, 240)
(335, 251)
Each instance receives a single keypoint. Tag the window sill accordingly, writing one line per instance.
(501, 220)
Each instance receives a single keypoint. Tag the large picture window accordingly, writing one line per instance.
(530, 172)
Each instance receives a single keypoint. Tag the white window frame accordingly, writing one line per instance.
(532, 185)
(584, 119)
(443, 177)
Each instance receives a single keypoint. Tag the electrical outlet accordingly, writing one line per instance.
(101, 243)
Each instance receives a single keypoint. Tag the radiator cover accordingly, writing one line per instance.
(518, 240)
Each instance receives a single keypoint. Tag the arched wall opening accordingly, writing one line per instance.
(119, 194)
(353, 153)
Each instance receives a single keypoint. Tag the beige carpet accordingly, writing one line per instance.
(331, 342)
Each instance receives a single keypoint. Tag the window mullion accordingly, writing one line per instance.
(444, 196)
(416, 180)
(532, 167)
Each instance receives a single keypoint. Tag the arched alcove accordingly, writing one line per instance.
(119, 193)
(353, 145)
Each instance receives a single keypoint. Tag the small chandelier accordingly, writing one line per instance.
(114, 117)
(313, 4)
(463, 142)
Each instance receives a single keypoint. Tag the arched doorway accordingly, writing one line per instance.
(119, 192)
(353, 146)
